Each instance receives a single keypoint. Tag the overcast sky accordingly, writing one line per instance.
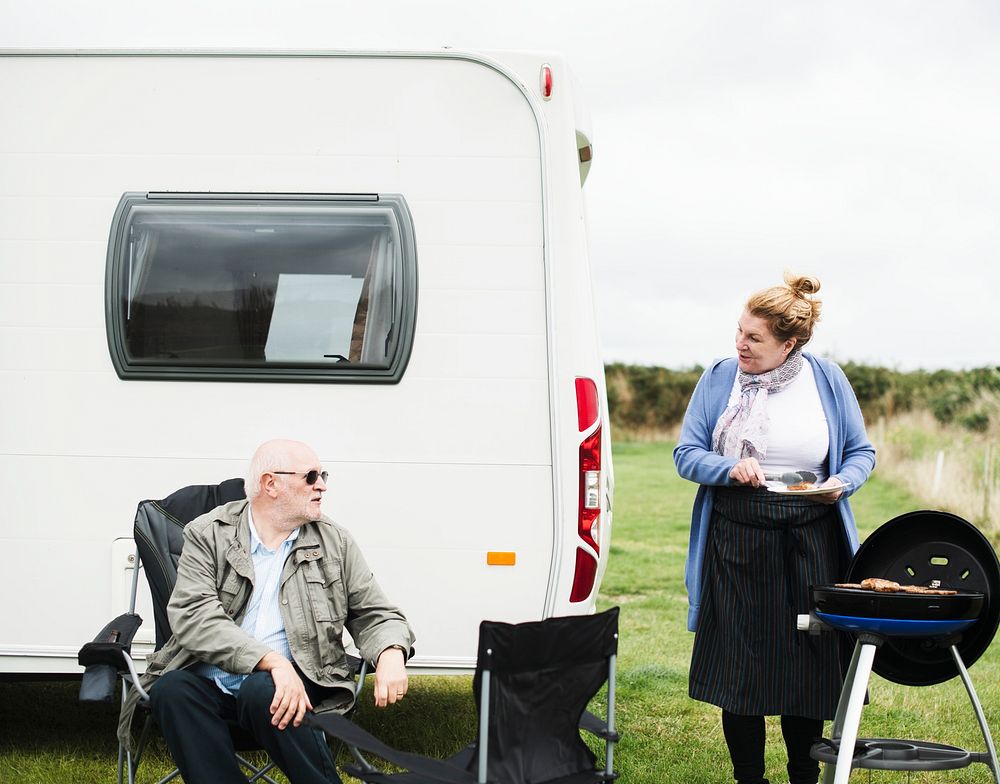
(853, 140)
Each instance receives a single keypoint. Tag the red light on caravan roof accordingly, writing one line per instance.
(545, 81)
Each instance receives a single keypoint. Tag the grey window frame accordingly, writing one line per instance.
(116, 269)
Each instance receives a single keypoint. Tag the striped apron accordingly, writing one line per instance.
(764, 550)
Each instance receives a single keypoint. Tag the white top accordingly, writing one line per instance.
(798, 436)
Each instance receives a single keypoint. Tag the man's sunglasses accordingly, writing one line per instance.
(311, 476)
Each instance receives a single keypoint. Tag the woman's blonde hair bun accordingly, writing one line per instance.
(790, 310)
(801, 285)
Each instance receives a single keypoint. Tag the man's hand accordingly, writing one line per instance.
(290, 701)
(390, 677)
(747, 472)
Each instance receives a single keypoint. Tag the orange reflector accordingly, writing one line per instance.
(494, 558)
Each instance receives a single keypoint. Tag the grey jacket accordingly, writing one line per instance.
(325, 585)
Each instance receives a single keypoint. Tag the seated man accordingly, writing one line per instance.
(264, 589)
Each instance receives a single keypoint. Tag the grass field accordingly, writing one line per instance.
(669, 737)
(958, 469)
(45, 736)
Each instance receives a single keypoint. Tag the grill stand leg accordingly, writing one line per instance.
(978, 708)
(848, 718)
(838, 721)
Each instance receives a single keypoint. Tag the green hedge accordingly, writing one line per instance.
(648, 398)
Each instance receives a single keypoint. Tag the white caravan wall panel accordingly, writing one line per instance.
(479, 267)
(55, 220)
(52, 619)
(428, 473)
(251, 106)
(76, 349)
(465, 223)
(52, 305)
(483, 356)
(48, 261)
(424, 561)
(489, 500)
(474, 312)
(433, 420)
(427, 178)
(443, 178)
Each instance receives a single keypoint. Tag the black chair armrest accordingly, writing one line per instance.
(106, 657)
(598, 727)
(98, 683)
(109, 644)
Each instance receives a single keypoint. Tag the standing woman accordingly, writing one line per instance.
(753, 554)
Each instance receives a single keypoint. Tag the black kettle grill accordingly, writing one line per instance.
(920, 639)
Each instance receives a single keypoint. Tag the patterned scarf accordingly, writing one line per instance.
(742, 429)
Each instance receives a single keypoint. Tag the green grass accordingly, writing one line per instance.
(46, 736)
(668, 736)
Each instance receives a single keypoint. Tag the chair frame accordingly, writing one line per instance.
(364, 741)
(128, 761)
(610, 736)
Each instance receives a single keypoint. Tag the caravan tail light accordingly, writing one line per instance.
(586, 573)
(589, 509)
(587, 406)
(590, 489)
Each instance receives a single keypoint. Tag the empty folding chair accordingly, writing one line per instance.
(532, 686)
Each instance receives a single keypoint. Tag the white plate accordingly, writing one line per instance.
(783, 490)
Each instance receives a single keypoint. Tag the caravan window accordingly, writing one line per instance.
(317, 288)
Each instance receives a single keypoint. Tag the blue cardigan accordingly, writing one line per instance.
(851, 456)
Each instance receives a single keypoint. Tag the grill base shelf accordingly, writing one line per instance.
(846, 751)
(892, 754)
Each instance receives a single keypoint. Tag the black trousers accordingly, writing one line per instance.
(745, 738)
(193, 713)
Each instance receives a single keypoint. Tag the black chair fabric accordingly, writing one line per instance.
(98, 684)
(542, 676)
(159, 537)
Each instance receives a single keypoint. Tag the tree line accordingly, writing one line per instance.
(651, 400)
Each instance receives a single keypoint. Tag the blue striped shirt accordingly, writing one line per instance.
(263, 619)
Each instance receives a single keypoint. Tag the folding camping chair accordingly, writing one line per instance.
(159, 537)
(532, 685)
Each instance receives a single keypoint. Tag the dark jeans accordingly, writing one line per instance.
(193, 713)
(745, 738)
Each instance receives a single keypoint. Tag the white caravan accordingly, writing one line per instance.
(382, 254)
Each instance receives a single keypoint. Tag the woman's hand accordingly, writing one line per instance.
(747, 472)
(837, 490)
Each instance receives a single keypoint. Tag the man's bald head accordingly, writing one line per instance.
(279, 454)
